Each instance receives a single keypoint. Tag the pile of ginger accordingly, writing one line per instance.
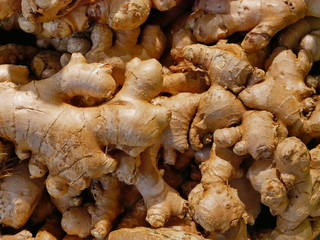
(160, 119)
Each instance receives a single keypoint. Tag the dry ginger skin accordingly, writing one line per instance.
(263, 19)
(17, 205)
(45, 10)
(214, 204)
(96, 126)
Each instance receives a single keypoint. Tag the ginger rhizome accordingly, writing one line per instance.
(96, 126)
(214, 204)
(95, 218)
(293, 102)
(16, 206)
(286, 186)
(263, 19)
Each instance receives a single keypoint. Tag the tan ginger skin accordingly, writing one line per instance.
(258, 135)
(100, 214)
(124, 43)
(118, 14)
(213, 203)
(293, 97)
(263, 19)
(17, 205)
(42, 138)
(286, 187)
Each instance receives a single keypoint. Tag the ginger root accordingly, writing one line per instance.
(263, 19)
(16, 206)
(91, 126)
(208, 197)
(143, 233)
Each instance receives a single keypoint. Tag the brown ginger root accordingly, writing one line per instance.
(258, 135)
(100, 214)
(161, 200)
(136, 217)
(124, 43)
(13, 54)
(22, 235)
(263, 19)
(17, 205)
(65, 26)
(214, 204)
(45, 64)
(227, 64)
(48, 139)
(45, 11)
(286, 188)
(284, 92)
(143, 233)
(175, 137)
(218, 108)
(9, 9)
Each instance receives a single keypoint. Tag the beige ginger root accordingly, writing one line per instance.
(214, 204)
(304, 34)
(161, 200)
(284, 92)
(49, 139)
(144, 233)
(218, 108)
(100, 214)
(258, 135)
(45, 11)
(124, 43)
(65, 26)
(126, 14)
(263, 19)
(286, 187)
(17, 205)
(183, 108)
(227, 64)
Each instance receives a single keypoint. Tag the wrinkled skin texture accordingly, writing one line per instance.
(263, 19)
(41, 127)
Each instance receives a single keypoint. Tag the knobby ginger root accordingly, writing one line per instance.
(65, 26)
(124, 43)
(94, 127)
(17, 205)
(183, 107)
(263, 19)
(45, 11)
(95, 218)
(258, 135)
(214, 204)
(23, 235)
(161, 200)
(286, 187)
(45, 64)
(12, 53)
(218, 108)
(143, 233)
(287, 96)
(227, 64)
(304, 34)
